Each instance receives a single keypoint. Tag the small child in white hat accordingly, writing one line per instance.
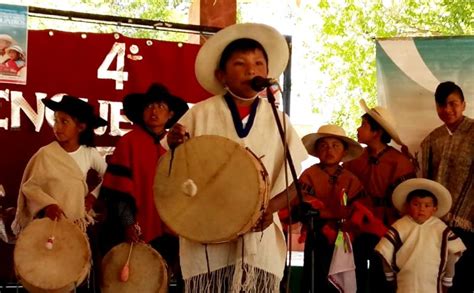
(324, 185)
(419, 251)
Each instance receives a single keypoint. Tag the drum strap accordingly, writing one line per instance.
(207, 259)
(243, 252)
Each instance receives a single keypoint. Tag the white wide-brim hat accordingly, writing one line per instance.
(7, 38)
(401, 192)
(384, 118)
(354, 149)
(207, 60)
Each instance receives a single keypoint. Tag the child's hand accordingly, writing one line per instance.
(176, 135)
(265, 220)
(366, 221)
(53, 212)
(89, 201)
(132, 233)
(330, 233)
(93, 179)
(361, 214)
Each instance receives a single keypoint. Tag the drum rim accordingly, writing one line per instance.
(262, 203)
(125, 245)
(79, 276)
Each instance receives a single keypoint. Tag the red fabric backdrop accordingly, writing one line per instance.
(67, 63)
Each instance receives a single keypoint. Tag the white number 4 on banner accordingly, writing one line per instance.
(117, 51)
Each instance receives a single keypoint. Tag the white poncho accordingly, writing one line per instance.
(264, 255)
(418, 253)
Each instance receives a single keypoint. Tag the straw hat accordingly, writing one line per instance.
(209, 55)
(384, 118)
(354, 149)
(134, 104)
(401, 192)
(76, 107)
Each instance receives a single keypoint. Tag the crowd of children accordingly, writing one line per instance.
(388, 218)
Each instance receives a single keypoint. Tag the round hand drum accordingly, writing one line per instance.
(147, 270)
(58, 269)
(214, 192)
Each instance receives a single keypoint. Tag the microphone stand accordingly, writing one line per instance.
(306, 213)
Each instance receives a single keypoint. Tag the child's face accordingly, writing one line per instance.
(421, 209)
(66, 128)
(452, 112)
(240, 69)
(365, 134)
(330, 150)
(156, 115)
(13, 54)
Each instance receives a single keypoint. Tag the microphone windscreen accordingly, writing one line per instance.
(259, 83)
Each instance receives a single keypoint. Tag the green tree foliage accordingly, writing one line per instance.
(344, 39)
(159, 10)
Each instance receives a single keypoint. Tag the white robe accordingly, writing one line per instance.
(418, 253)
(52, 176)
(267, 252)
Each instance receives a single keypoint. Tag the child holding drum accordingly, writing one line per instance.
(54, 181)
(55, 186)
(127, 190)
(225, 66)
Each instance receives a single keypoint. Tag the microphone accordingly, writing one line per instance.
(259, 83)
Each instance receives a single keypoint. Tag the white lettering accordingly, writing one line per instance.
(116, 118)
(4, 122)
(18, 103)
(119, 75)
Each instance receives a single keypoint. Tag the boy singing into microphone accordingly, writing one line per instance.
(225, 66)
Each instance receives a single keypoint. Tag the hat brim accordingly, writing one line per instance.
(354, 149)
(179, 107)
(134, 105)
(382, 122)
(401, 192)
(58, 106)
(210, 53)
(7, 38)
(18, 50)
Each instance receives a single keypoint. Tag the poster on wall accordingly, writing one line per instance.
(13, 43)
(408, 72)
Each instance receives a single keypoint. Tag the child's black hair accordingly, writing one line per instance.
(444, 89)
(421, 193)
(240, 45)
(374, 126)
(86, 137)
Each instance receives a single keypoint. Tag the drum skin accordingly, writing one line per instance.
(58, 270)
(147, 270)
(232, 189)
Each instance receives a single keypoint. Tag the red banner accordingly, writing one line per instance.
(99, 67)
